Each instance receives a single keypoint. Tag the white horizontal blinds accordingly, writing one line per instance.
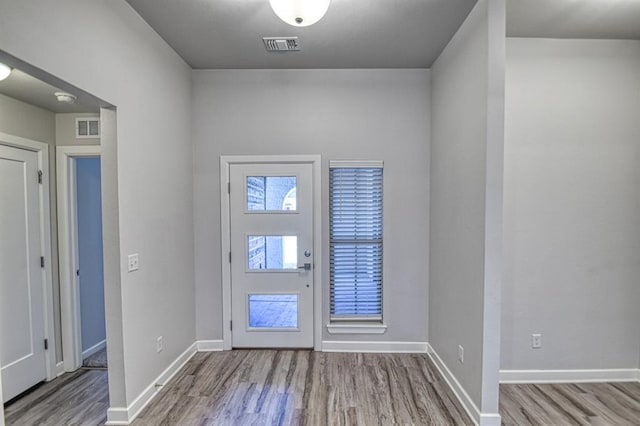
(355, 198)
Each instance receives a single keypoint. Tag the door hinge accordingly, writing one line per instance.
(39, 176)
(229, 257)
(42, 261)
(228, 187)
(46, 344)
(77, 272)
(231, 325)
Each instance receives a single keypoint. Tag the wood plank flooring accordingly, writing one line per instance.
(570, 404)
(97, 360)
(269, 387)
(78, 398)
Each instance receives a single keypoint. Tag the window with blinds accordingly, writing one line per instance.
(355, 199)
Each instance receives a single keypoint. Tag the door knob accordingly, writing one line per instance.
(306, 267)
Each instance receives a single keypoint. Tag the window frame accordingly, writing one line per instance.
(357, 324)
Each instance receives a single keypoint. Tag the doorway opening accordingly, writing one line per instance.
(81, 266)
(90, 274)
(36, 371)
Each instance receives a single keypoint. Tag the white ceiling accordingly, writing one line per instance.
(25, 88)
(353, 33)
(607, 19)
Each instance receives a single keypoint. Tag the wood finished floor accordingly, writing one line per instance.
(312, 388)
(570, 404)
(268, 387)
(78, 398)
(97, 360)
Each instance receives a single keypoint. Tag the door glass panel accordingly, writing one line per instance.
(271, 193)
(273, 310)
(272, 252)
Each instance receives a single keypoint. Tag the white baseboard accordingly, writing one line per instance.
(479, 418)
(117, 417)
(60, 369)
(93, 349)
(467, 403)
(124, 416)
(210, 345)
(569, 376)
(374, 347)
(490, 419)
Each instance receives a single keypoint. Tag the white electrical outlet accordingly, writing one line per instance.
(536, 341)
(461, 354)
(133, 262)
(159, 344)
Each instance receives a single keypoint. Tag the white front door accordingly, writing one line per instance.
(22, 353)
(271, 210)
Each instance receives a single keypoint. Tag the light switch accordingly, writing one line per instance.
(133, 262)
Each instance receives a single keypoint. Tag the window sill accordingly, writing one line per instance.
(356, 328)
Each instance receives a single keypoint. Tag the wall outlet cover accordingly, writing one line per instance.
(133, 262)
(536, 341)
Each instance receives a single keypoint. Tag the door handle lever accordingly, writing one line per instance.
(306, 267)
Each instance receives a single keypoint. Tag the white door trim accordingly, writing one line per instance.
(225, 241)
(68, 251)
(42, 150)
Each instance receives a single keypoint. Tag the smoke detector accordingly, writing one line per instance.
(65, 98)
(281, 44)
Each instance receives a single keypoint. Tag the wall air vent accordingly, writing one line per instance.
(87, 127)
(281, 44)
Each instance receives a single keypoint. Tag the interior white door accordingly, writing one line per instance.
(271, 242)
(22, 353)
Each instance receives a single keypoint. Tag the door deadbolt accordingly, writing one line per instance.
(307, 253)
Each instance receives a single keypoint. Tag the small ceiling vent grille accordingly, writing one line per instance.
(281, 44)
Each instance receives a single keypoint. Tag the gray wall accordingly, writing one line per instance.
(147, 170)
(340, 114)
(466, 202)
(89, 214)
(572, 240)
(21, 119)
(66, 130)
(28, 121)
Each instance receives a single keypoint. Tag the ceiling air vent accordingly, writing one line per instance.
(281, 44)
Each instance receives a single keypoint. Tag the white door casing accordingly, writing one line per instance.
(68, 251)
(268, 282)
(22, 283)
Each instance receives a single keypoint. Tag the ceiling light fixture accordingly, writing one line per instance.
(5, 70)
(300, 13)
(65, 98)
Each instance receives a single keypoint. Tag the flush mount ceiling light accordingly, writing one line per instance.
(5, 70)
(300, 13)
(65, 98)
